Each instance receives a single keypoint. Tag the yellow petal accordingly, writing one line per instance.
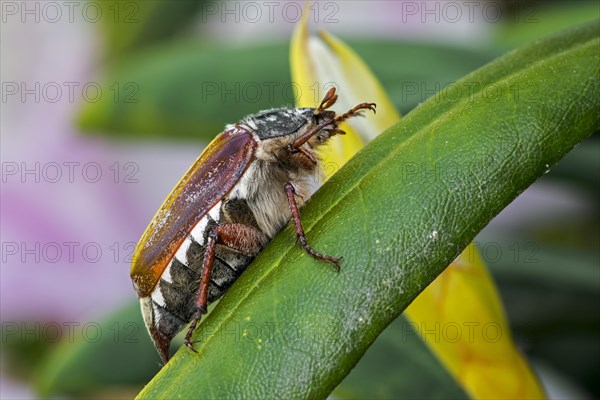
(319, 63)
(459, 316)
(357, 84)
(303, 75)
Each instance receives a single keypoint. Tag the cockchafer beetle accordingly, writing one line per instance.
(238, 194)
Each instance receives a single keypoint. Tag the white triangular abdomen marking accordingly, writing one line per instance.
(181, 254)
(157, 296)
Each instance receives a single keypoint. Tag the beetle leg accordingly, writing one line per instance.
(355, 111)
(291, 193)
(294, 147)
(240, 237)
(201, 301)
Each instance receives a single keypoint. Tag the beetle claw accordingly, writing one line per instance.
(337, 264)
(356, 110)
(198, 312)
(190, 344)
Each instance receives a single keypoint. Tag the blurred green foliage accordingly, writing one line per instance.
(117, 357)
(130, 26)
(171, 73)
(191, 90)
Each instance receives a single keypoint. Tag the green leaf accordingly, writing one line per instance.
(291, 327)
(191, 90)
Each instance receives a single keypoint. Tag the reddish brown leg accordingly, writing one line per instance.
(295, 145)
(201, 301)
(291, 193)
(354, 111)
(328, 100)
(240, 237)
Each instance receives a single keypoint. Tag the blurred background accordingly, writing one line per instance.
(105, 104)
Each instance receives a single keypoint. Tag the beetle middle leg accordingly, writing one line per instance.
(291, 193)
(239, 237)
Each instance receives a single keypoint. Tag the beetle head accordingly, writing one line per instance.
(325, 123)
(291, 135)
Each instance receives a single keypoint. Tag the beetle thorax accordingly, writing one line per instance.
(275, 165)
(261, 186)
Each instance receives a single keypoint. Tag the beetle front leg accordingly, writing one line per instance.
(240, 237)
(291, 193)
